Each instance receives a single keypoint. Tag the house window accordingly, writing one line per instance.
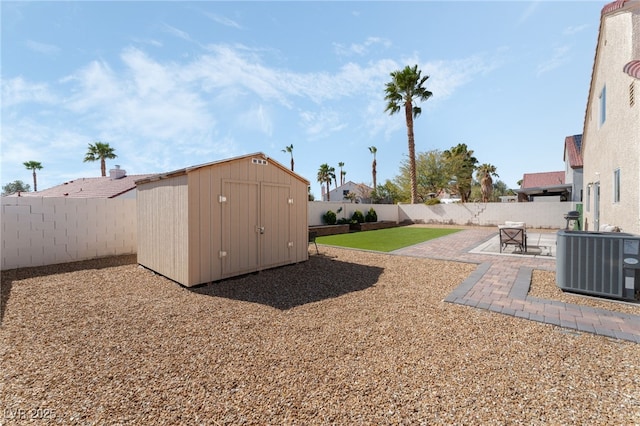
(603, 106)
(616, 186)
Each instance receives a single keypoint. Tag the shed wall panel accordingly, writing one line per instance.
(163, 228)
(240, 233)
(275, 214)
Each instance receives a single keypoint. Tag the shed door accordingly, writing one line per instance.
(240, 227)
(275, 219)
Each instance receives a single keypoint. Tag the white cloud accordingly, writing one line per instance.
(47, 49)
(176, 32)
(321, 124)
(17, 91)
(360, 49)
(558, 59)
(160, 116)
(531, 8)
(571, 30)
(222, 20)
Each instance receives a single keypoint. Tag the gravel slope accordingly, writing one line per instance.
(348, 337)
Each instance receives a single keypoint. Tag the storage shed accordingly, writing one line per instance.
(222, 219)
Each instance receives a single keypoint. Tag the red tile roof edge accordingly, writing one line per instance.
(633, 68)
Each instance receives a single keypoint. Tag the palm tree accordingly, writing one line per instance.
(460, 164)
(483, 174)
(289, 149)
(405, 87)
(373, 150)
(332, 170)
(325, 176)
(342, 173)
(100, 151)
(33, 165)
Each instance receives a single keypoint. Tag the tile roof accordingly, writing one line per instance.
(95, 187)
(633, 69)
(573, 150)
(613, 6)
(540, 180)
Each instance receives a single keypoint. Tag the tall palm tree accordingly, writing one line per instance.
(325, 176)
(483, 174)
(33, 165)
(332, 170)
(100, 151)
(289, 149)
(373, 150)
(342, 173)
(405, 87)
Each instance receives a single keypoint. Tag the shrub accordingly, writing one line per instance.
(371, 216)
(329, 218)
(432, 201)
(358, 216)
(344, 221)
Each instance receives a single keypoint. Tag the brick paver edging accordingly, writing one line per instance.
(501, 284)
(602, 322)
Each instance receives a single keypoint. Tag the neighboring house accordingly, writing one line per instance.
(573, 166)
(362, 192)
(117, 185)
(546, 186)
(611, 135)
(556, 186)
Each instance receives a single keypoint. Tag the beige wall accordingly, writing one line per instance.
(616, 143)
(539, 215)
(40, 231)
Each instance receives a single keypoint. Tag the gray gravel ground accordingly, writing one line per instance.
(348, 337)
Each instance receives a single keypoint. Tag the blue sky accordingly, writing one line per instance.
(175, 84)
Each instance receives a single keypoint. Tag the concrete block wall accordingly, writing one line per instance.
(40, 231)
(536, 215)
(318, 208)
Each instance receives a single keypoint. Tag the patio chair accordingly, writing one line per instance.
(513, 236)
(312, 239)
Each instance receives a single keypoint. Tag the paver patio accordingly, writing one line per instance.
(501, 282)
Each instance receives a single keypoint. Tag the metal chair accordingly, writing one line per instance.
(312, 239)
(513, 236)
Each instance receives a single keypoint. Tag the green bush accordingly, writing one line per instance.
(344, 221)
(371, 216)
(329, 218)
(432, 201)
(358, 216)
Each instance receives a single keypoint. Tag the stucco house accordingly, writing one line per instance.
(611, 134)
(361, 191)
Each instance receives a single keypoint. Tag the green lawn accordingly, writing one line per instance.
(385, 239)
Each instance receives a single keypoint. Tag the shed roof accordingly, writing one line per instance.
(93, 187)
(186, 170)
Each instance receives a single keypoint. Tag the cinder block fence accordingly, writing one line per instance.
(40, 231)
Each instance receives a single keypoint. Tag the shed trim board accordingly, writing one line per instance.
(235, 216)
